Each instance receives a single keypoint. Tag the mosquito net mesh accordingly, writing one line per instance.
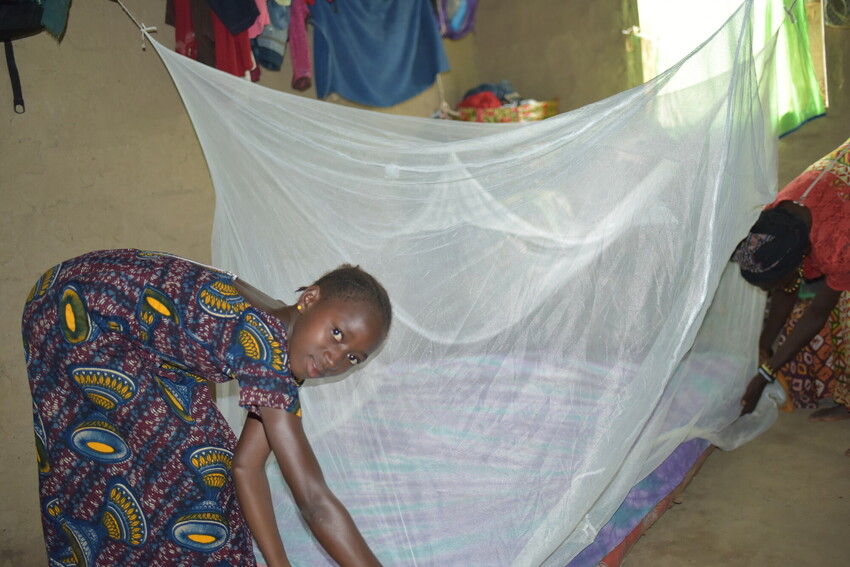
(565, 312)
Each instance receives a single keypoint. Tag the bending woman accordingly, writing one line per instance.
(804, 235)
(136, 464)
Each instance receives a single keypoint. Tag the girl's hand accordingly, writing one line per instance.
(753, 393)
(765, 354)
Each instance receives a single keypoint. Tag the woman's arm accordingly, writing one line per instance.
(779, 308)
(253, 492)
(808, 326)
(328, 519)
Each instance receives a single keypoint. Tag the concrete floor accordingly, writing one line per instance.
(783, 500)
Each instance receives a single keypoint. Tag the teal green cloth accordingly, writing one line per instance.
(800, 97)
(55, 15)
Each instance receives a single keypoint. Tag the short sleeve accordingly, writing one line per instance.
(258, 360)
(838, 282)
(827, 196)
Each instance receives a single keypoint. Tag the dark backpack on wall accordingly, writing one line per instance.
(18, 18)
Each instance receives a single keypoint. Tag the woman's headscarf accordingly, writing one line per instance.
(774, 247)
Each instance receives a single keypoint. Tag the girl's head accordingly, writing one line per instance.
(351, 283)
(341, 320)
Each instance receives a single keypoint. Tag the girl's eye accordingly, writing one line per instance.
(337, 335)
(353, 360)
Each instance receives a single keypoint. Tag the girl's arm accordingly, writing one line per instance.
(328, 519)
(253, 492)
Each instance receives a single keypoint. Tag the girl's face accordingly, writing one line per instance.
(332, 336)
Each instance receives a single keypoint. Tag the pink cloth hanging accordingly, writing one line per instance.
(299, 50)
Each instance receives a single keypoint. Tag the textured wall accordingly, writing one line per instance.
(105, 157)
(570, 49)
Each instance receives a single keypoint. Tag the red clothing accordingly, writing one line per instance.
(201, 35)
(485, 99)
(299, 47)
(829, 203)
(232, 52)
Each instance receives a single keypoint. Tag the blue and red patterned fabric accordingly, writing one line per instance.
(134, 459)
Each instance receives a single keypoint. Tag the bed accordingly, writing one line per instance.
(568, 337)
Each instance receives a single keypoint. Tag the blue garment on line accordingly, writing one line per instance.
(376, 52)
(269, 47)
(236, 15)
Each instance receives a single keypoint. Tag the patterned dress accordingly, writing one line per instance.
(820, 370)
(134, 459)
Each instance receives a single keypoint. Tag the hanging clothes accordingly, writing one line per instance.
(232, 52)
(377, 53)
(236, 15)
(269, 47)
(299, 48)
(202, 34)
(193, 29)
(456, 17)
(261, 21)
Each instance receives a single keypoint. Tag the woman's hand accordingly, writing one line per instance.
(753, 394)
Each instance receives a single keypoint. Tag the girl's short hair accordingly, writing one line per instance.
(351, 283)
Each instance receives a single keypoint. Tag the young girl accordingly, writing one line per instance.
(136, 465)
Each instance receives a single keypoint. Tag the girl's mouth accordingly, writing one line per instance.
(312, 368)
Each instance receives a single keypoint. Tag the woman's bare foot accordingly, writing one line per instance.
(834, 413)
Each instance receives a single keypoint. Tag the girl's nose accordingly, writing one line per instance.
(332, 360)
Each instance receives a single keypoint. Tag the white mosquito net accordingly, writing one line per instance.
(565, 312)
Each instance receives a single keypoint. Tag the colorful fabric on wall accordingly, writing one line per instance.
(376, 52)
(456, 17)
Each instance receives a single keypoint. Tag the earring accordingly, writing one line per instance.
(299, 307)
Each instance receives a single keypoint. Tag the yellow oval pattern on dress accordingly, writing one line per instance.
(100, 447)
(74, 318)
(221, 299)
(158, 306)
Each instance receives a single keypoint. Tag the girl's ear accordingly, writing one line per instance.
(310, 297)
